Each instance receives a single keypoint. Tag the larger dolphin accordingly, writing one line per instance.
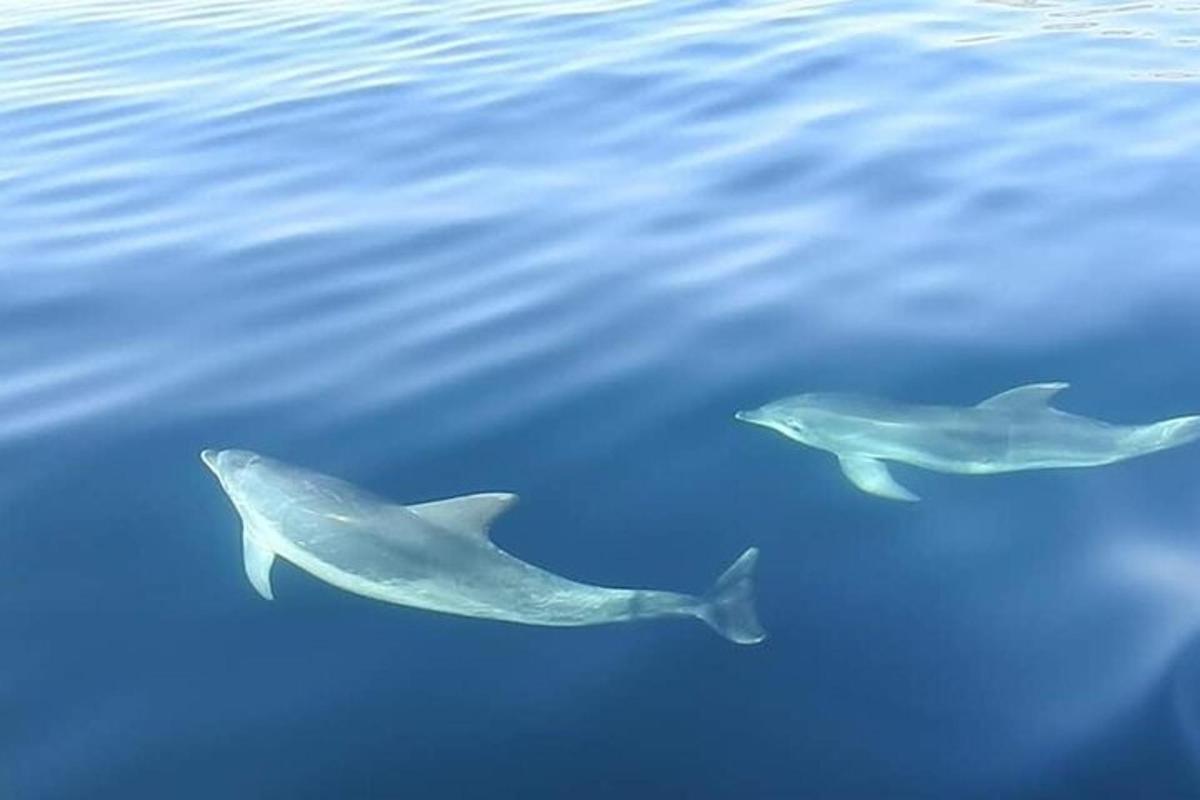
(438, 555)
(1014, 430)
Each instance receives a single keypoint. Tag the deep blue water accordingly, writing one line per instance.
(437, 248)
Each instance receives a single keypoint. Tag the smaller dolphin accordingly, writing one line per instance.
(439, 556)
(1014, 430)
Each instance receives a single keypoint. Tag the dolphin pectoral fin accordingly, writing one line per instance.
(872, 476)
(1029, 398)
(472, 513)
(258, 561)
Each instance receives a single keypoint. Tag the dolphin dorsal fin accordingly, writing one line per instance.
(472, 513)
(1028, 398)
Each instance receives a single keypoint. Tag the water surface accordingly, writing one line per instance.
(550, 248)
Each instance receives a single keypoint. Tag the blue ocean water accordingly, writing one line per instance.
(550, 248)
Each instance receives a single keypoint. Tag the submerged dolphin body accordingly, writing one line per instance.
(438, 555)
(1014, 430)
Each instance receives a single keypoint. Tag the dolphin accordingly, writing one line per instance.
(439, 555)
(1014, 430)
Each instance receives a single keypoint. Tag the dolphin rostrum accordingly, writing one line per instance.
(439, 556)
(1014, 430)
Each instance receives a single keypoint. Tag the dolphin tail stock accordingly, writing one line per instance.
(1164, 435)
(728, 608)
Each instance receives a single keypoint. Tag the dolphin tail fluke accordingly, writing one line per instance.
(729, 607)
(1166, 434)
